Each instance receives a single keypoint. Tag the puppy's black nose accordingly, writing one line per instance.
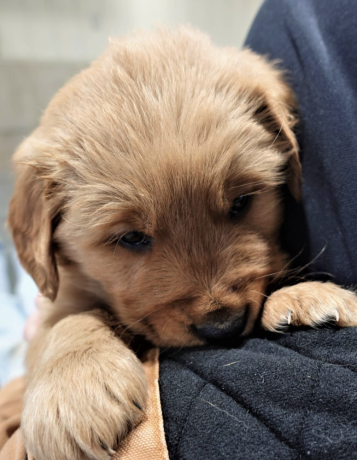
(221, 326)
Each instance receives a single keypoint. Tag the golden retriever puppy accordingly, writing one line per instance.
(147, 202)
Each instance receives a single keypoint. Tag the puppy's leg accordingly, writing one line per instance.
(311, 304)
(84, 392)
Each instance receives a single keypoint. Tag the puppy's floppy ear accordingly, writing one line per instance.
(32, 224)
(279, 119)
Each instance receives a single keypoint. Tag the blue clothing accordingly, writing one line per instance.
(14, 310)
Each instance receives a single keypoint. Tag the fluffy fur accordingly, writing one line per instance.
(159, 136)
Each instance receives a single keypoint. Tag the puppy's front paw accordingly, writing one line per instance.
(81, 407)
(310, 304)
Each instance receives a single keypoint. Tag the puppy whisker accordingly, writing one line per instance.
(261, 293)
(279, 274)
(320, 273)
(167, 322)
(296, 271)
(300, 269)
(146, 316)
(293, 271)
(291, 260)
(255, 301)
(141, 319)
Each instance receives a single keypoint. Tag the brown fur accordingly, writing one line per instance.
(159, 135)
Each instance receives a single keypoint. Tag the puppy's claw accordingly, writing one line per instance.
(337, 316)
(102, 445)
(310, 304)
(110, 451)
(117, 441)
(136, 404)
(106, 448)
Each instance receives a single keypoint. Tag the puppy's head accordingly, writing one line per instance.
(156, 174)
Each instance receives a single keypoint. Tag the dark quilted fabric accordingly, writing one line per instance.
(288, 397)
(291, 396)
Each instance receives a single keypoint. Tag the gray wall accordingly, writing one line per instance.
(44, 42)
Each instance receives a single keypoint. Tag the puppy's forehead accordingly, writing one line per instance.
(161, 85)
(161, 120)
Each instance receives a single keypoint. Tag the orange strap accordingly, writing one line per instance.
(145, 442)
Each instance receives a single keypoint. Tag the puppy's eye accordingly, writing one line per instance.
(239, 206)
(135, 239)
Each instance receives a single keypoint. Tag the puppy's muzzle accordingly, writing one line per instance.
(221, 326)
